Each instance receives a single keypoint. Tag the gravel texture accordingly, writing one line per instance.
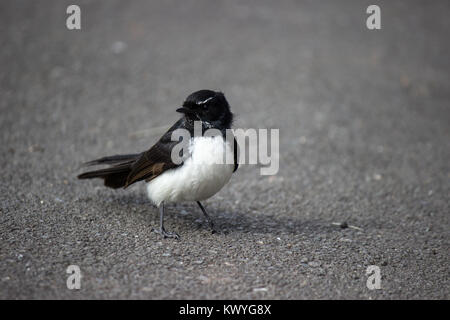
(364, 125)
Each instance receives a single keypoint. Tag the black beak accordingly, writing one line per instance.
(185, 110)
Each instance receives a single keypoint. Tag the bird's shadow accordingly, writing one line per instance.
(187, 217)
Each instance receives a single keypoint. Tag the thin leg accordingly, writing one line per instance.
(161, 230)
(208, 218)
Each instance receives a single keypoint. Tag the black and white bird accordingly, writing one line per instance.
(201, 173)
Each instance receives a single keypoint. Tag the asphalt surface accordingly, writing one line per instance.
(364, 125)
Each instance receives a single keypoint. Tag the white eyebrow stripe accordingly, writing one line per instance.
(205, 101)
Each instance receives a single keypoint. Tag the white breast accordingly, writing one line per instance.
(201, 176)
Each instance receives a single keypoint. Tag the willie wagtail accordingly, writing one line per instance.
(200, 175)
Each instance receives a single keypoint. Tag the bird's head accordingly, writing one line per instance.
(208, 106)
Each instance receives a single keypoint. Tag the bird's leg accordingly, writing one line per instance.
(161, 229)
(208, 218)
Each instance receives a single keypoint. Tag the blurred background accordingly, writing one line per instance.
(364, 125)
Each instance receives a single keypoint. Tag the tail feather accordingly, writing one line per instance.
(113, 159)
(115, 176)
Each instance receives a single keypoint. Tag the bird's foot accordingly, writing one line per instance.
(166, 234)
(212, 226)
(208, 218)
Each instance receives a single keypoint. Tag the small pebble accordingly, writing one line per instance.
(314, 264)
(343, 225)
(118, 47)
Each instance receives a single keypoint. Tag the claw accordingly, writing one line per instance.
(161, 230)
(166, 234)
(208, 218)
(213, 227)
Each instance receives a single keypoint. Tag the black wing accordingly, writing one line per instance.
(156, 160)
